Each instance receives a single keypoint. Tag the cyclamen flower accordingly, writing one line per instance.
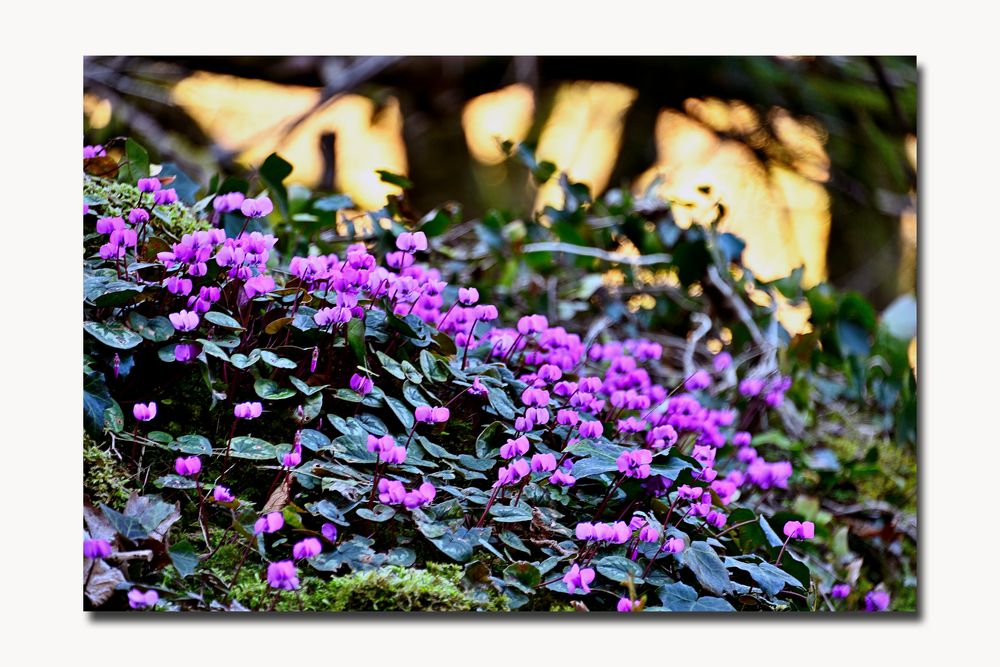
(148, 185)
(165, 197)
(390, 491)
(96, 549)
(468, 297)
(380, 444)
(800, 531)
(419, 497)
(592, 429)
(257, 208)
(258, 285)
(625, 605)
(187, 467)
(411, 243)
(93, 151)
(689, 492)
(722, 361)
(230, 201)
(178, 285)
(741, 439)
(185, 352)
(530, 324)
(535, 397)
(486, 313)
(140, 600)
(673, 545)
(283, 575)
(361, 384)
(513, 473)
(478, 388)
(577, 578)
(716, 519)
(138, 216)
(543, 463)
(394, 455)
(144, 412)
(840, 591)
(427, 415)
(184, 320)
(699, 380)
(334, 315)
(876, 601)
(649, 534)
(329, 532)
(248, 410)
(307, 548)
(292, 458)
(751, 387)
(515, 447)
(559, 478)
(635, 463)
(221, 494)
(108, 225)
(269, 523)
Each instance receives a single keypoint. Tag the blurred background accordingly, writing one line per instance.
(814, 159)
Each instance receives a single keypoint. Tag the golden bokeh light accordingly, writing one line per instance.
(583, 134)
(97, 110)
(503, 115)
(251, 117)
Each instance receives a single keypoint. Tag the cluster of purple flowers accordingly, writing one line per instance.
(392, 492)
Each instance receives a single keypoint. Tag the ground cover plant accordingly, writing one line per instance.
(291, 405)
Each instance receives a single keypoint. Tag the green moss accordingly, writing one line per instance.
(110, 198)
(104, 478)
(390, 588)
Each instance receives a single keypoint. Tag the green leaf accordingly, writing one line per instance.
(707, 568)
(349, 395)
(134, 164)
(243, 361)
(501, 403)
(390, 365)
(433, 368)
(271, 359)
(192, 444)
(413, 395)
(619, 569)
(222, 320)
(273, 172)
(333, 203)
(271, 390)
(246, 447)
(212, 349)
(129, 527)
(356, 338)
(184, 558)
(511, 513)
(174, 482)
(378, 514)
(314, 440)
(156, 329)
(394, 179)
(682, 598)
(113, 334)
(401, 556)
(404, 416)
(306, 389)
(525, 575)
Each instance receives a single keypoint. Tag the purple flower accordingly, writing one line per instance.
(283, 575)
(592, 429)
(228, 202)
(722, 361)
(585, 531)
(292, 458)
(140, 600)
(394, 455)
(559, 478)
(361, 384)
(96, 549)
(334, 315)
(221, 494)
(716, 519)
(184, 320)
(840, 591)
(258, 285)
(380, 444)
(751, 387)
(741, 439)
(513, 473)
(138, 216)
(876, 601)
(185, 352)
(187, 467)
(419, 497)
(486, 313)
(257, 208)
(799, 531)
(543, 463)
(108, 225)
(673, 545)
(390, 491)
(649, 534)
(248, 410)
(269, 523)
(411, 243)
(307, 548)
(144, 412)
(428, 415)
(699, 380)
(329, 532)
(478, 388)
(165, 197)
(577, 578)
(530, 324)
(148, 185)
(515, 447)
(468, 296)
(635, 463)
(93, 151)
(625, 605)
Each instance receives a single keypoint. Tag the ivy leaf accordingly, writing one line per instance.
(113, 334)
(184, 558)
